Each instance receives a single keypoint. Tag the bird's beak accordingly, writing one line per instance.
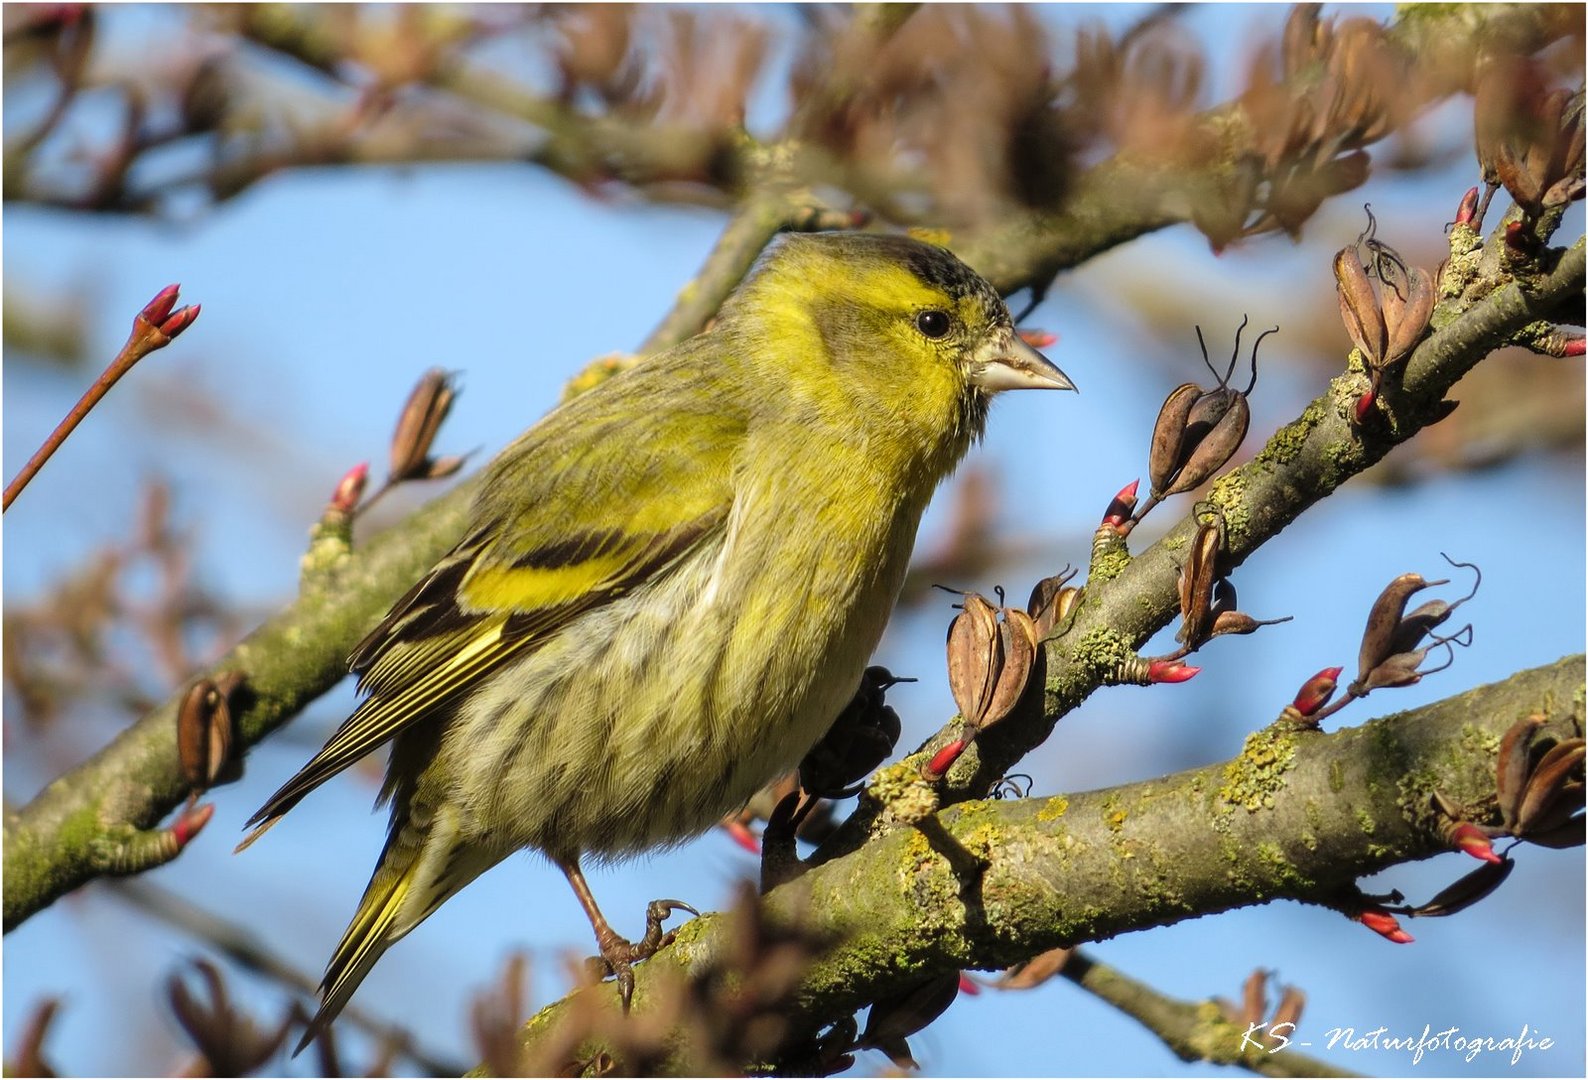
(1008, 363)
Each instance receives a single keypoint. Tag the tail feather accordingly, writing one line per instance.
(374, 929)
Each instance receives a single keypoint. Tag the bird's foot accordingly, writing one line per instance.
(619, 955)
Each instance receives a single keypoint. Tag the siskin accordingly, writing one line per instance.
(670, 586)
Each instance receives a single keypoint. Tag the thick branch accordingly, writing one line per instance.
(1299, 815)
(61, 839)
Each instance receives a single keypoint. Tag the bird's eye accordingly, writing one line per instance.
(934, 324)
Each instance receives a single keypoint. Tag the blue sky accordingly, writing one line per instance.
(326, 293)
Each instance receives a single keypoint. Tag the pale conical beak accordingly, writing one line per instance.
(1008, 363)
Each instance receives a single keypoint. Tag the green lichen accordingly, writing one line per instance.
(1336, 776)
(1101, 651)
(1053, 809)
(1253, 778)
(1228, 494)
(1107, 565)
(1288, 441)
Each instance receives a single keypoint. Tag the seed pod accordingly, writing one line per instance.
(1384, 619)
(1217, 447)
(1407, 318)
(194, 720)
(1394, 671)
(892, 1019)
(1168, 436)
(1043, 606)
(975, 657)
(1548, 782)
(1466, 890)
(1512, 768)
(427, 406)
(859, 740)
(1359, 307)
(1017, 635)
(1198, 576)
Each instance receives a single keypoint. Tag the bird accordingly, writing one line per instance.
(670, 586)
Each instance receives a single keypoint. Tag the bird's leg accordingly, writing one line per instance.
(618, 954)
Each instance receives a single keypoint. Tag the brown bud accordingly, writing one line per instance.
(1359, 307)
(975, 657)
(421, 418)
(1036, 971)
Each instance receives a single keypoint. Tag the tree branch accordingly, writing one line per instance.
(987, 884)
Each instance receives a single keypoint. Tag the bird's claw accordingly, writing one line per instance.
(619, 955)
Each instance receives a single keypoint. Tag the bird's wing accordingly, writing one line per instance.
(586, 524)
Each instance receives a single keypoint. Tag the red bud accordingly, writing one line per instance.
(188, 825)
(1170, 671)
(741, 834)
(944, 759)
(1120, 507)
(1384, 925)
(1516, 238)
(156, 310)
(968, 985)
(1316, 691)
(1469, 207)
(350, 489)
(1364, 404)
(180, 320)
(1574, 346)
(1469, 838)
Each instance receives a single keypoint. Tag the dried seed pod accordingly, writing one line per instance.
(1017, 635)
(421, 418)
(1512, 768)
(1359, 307)
(1046, 597)
(1407, 318)
(1547, 784)
(859, 740)
(1384, 619)
(975, 657)
(1198, 431)
(194, 731)
(1466, 890)
(1168, 436)
(893, 1019)
(1198, 576)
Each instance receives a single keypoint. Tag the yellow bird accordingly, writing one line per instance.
(671, 585)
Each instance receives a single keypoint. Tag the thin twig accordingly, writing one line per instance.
(153, 328)
(246, 950)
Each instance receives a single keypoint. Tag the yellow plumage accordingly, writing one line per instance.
(671, 585)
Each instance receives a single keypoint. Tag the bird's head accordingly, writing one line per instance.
(901, 326)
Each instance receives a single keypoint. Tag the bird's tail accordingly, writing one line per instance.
(405, 889)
